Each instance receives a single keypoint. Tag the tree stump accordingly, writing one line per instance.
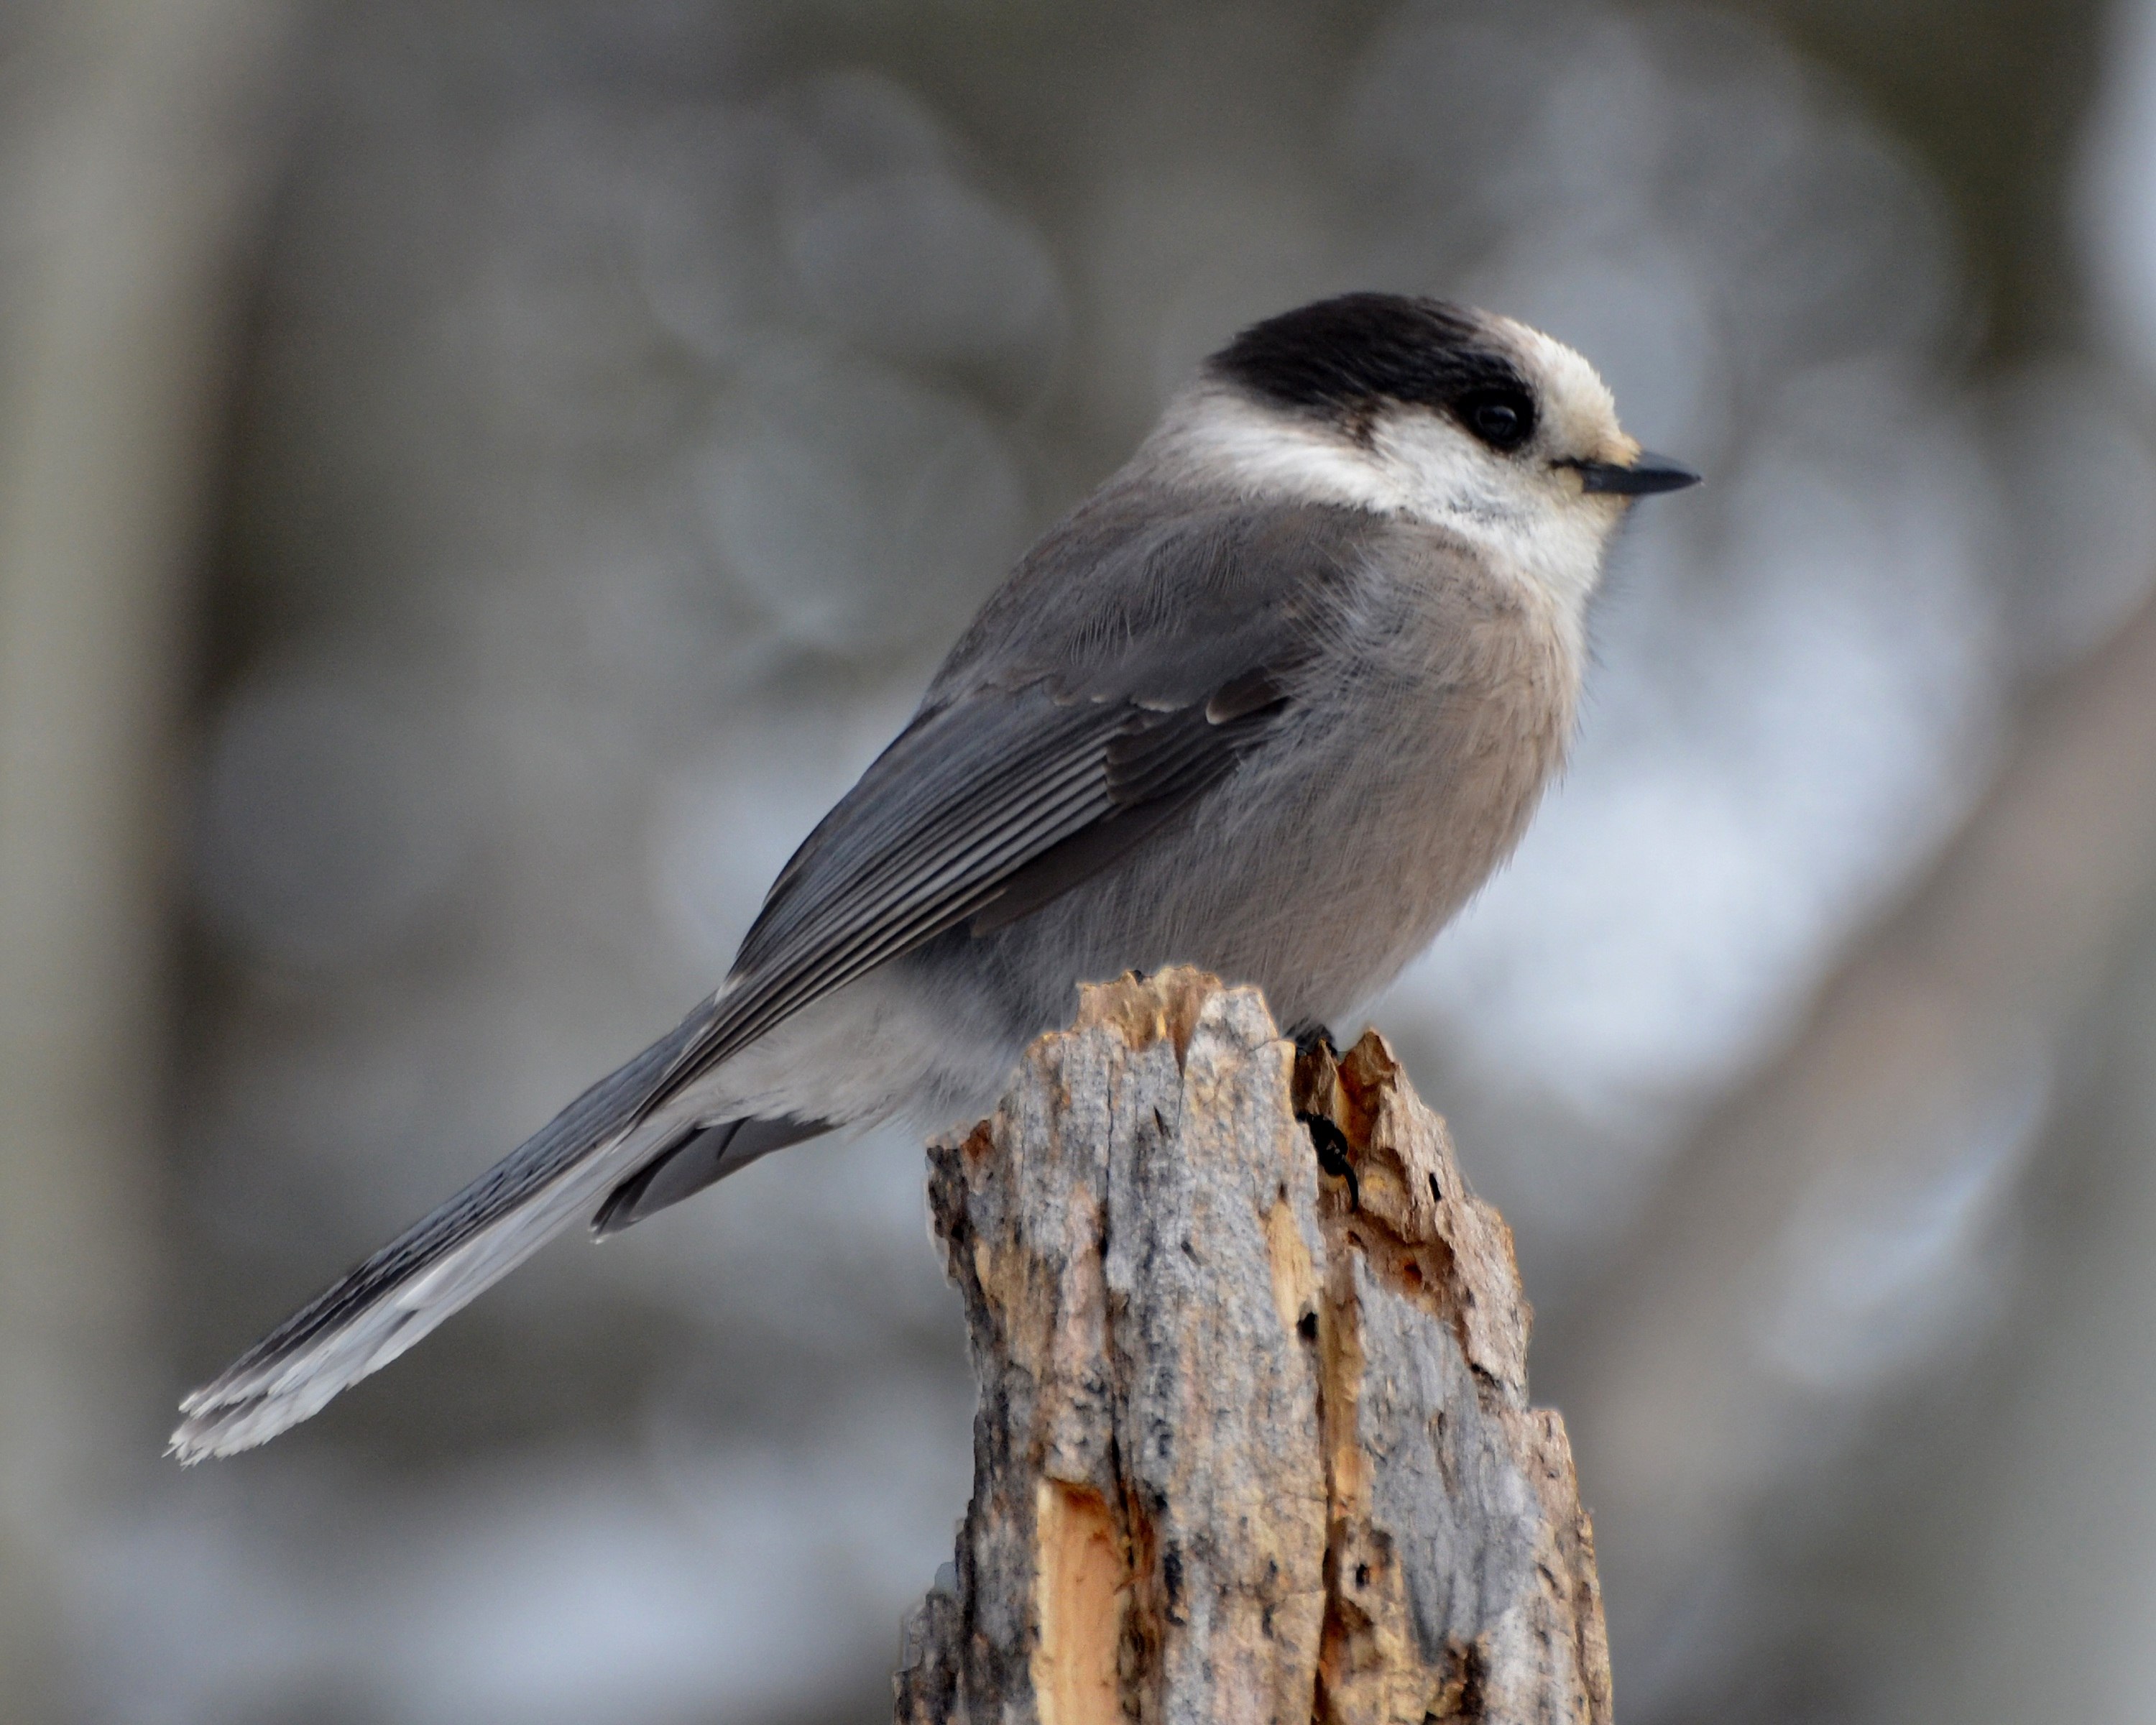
(1254, 1441)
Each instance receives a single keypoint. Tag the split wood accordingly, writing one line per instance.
(1254, 1441)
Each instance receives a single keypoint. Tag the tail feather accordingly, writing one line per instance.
(384, 1305)
(664, 1179)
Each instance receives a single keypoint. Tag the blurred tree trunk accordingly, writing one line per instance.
(131, 161)
(1253, 1444)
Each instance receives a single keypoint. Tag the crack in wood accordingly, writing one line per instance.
(1244, 1452)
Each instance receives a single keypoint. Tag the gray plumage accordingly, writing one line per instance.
(1239, 709)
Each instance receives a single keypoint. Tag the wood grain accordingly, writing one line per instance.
(1254, 1440)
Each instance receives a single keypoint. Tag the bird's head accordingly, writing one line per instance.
(1417, 407)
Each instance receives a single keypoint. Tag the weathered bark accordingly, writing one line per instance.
(1254, 1440)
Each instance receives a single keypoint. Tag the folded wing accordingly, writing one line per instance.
(1005, 792)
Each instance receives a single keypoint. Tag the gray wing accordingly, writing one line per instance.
(1128, 668)
(1029, 770)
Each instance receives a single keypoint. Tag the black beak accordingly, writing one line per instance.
(1649, 474)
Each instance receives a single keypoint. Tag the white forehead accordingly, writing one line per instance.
(1577, 407)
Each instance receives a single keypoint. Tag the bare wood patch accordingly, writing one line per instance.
(1084, 1586)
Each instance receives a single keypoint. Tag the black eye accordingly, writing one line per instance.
(1503, 418)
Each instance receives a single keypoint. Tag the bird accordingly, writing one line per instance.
(1274, 701)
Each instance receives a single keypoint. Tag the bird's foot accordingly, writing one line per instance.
(1310, 1038)
(1331, 1144)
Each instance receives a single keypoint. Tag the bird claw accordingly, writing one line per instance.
(1331, 1144)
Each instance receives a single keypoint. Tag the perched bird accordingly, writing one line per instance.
(1274, 701)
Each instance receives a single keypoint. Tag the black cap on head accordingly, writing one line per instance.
(1344, 358)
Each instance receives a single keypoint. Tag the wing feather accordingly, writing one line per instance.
(1076, 717)
(1009, 789)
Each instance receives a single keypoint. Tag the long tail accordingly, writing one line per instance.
(564, 1171)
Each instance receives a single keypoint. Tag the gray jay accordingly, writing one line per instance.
(1274, 701)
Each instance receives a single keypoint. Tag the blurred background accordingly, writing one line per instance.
(476, 481)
